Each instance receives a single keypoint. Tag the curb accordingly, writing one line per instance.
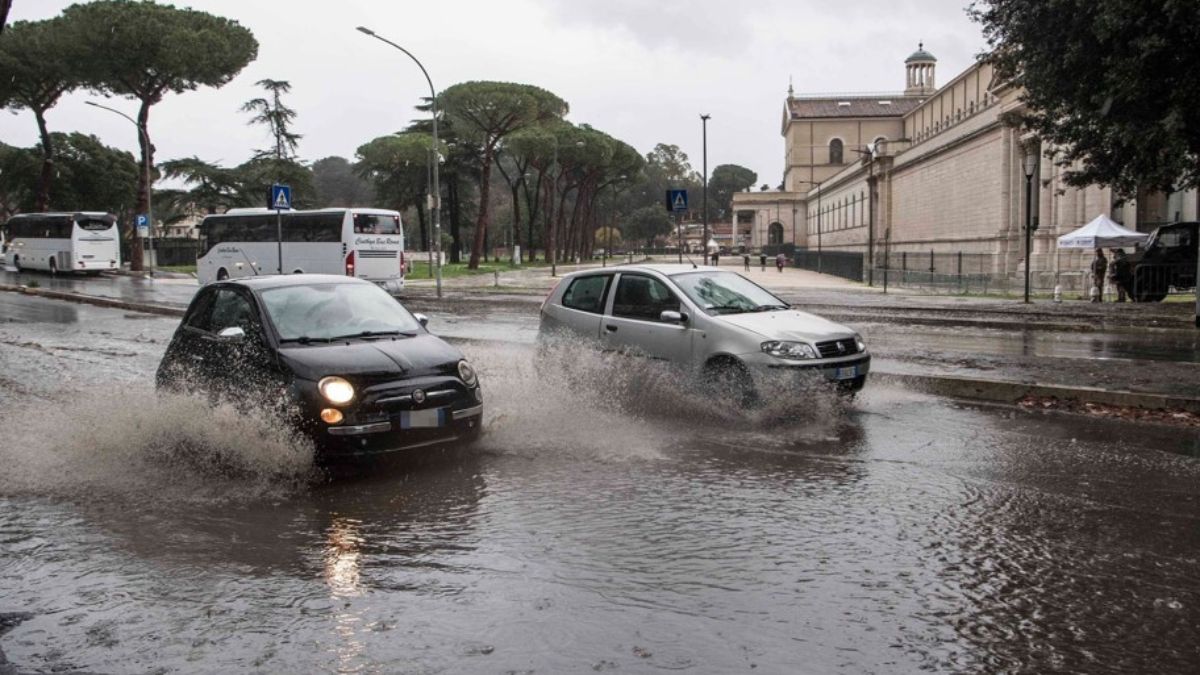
(996, 391)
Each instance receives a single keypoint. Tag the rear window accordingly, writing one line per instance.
(367, 223)
(587, 293)
(95, 225)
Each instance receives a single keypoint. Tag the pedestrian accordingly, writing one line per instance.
(746, 261)
(762, 261)
(1099, 270)
(780, 260)
(1121, 274)
(716, 258)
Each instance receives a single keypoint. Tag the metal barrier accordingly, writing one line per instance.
(1153, 282)
(844, 264)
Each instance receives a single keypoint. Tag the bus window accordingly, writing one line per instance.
(367, 223)
(94, 225)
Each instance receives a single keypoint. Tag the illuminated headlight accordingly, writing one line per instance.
(858, 341)
(467, 374)
(789, 350)
(336, 390)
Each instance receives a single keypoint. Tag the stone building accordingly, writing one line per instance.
(930, 172)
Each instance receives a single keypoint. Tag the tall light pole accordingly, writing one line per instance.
(1029, 165)
(704, 126)
(435, 200)
(149, 180)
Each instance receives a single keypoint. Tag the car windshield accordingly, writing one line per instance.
(726, 293)
(321, 312)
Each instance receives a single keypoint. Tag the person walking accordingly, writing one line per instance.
(1099, 271)
(1121, 274)
(780, 261)
(762, 261)
(746, 261)
(716, 258)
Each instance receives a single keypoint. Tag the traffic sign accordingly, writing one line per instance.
(280, 197)
(677, 200)
(143, 225)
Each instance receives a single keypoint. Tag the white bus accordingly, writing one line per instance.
(363, 243)
(87, 242)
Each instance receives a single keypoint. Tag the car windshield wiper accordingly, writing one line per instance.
(372, 334)
(304, 339)
(771, 308)
(731, 309)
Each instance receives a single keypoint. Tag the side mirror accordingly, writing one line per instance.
(669, 316)
(232, 334)
(421, 319)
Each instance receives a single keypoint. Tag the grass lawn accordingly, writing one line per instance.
(183, 269)
(420, 269)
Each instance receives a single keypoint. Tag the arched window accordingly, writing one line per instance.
(835, 151)
(775, 234)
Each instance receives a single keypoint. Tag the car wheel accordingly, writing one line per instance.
(222, 275)
(728, 380)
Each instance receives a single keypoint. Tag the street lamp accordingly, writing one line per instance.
(149, 193)
(704, 127)
(435, 200)
(1029, 165)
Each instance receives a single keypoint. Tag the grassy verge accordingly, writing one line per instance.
(420, 269)
(183, 269)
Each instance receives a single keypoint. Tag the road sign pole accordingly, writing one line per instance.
(279, 238)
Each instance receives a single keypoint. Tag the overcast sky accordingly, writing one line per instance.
(641, 71)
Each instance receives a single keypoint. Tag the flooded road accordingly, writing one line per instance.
(605, 523)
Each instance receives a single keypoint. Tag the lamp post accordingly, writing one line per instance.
(1029, 165)
(435, 200)
(149, 180)
(704, 133)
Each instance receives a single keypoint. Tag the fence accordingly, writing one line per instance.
(838, 263)
(167, 251)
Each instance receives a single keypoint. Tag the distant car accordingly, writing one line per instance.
(718, 325)
(351, 366)
(1166, 261)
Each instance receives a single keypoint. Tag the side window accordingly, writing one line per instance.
(587, 293)
(233, 309)
(643, 298)
(200, 315)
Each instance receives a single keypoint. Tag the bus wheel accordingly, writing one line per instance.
(222, 275)
(297, 271)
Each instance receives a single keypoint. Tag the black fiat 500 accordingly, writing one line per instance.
(346, 361)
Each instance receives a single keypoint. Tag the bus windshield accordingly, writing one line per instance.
(94, 224)
(370, 223)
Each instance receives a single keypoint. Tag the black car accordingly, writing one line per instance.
(1166, 261)
(339, 356)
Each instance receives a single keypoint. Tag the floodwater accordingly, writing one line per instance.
(608, 521)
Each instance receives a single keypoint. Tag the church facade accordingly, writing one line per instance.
(930, 170)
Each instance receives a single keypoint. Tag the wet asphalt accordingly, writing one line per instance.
(611, 520)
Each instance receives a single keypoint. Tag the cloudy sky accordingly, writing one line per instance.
(641, 71)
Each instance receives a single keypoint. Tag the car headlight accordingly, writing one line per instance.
(467, 374)
(858, 341)
(789, 350)
(336, 390)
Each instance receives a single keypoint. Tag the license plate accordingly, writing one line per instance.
(423, 419)
(848, 373)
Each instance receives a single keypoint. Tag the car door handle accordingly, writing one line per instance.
(196, 357)
(610, 328)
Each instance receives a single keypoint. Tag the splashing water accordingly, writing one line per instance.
(149, 445)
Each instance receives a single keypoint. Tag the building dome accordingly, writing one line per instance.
(921, 55)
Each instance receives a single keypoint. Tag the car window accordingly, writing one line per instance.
(587, 293)
(233, 310)
(644, 298)
(200, 315)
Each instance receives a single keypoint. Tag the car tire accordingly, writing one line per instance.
(728, 380)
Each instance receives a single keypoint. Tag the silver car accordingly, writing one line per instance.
(717, 324)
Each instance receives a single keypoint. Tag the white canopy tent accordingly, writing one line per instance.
(1102, 232)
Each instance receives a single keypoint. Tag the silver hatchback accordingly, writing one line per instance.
(716, 324)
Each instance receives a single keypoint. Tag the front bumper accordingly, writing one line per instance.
(850, 371)
(375, 438)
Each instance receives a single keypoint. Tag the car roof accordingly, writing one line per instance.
(266, 281)
(664, 269)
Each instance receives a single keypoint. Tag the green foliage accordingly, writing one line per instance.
(277, 117)
(726, 180)
(398, 167)
(1112, 84)
(144, 50)
(646, 223)
(89, 176)
(337, 184)
(256, 176)
(214, 189)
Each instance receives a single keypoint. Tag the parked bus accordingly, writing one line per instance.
(363, 243)
(87, 242)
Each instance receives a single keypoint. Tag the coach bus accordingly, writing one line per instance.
(357, 242)
(87, 242)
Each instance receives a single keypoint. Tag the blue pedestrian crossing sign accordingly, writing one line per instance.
(677, 200)
(280, 198)
(143, 225)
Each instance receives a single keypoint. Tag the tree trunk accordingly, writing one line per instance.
(455, 234)
(42, 201)
(481, 223)
(421, 224)
(533, 205)
(516, 221)
(145, 184)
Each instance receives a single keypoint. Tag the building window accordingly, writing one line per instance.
(835, 151)
(775, 234)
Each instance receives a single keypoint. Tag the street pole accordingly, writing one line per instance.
(679, 234)
(704, 126)
(1029, 165)
(145, 138)
(437, 190)
(819, 191)
(552, 246)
